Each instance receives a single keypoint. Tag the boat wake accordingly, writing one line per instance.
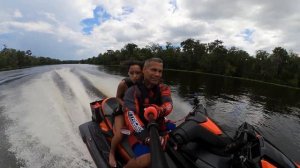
(41, 109)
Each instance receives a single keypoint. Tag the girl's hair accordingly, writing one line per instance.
(138, 63)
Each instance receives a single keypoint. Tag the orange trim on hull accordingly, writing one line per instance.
(103, 126)
(211, 126)
(266, 164)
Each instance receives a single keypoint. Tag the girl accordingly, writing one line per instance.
(134, 73)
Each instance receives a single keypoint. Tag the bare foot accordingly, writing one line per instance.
(112, 160)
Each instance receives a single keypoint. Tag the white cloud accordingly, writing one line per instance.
(58, 24)
(30, 26)
(18, 14)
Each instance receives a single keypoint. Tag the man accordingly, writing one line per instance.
(147, 95)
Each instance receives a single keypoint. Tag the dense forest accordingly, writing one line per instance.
(12, 59)
(280, 66)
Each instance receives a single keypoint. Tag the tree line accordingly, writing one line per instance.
(11, 59)
(279, 66)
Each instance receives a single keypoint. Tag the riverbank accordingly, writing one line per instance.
(233, 77)
(205, 73)
(225, 76)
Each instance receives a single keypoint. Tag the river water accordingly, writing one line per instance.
(42, 107)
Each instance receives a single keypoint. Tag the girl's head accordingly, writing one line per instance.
(135, 71)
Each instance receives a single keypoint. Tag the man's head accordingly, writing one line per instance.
(152, 71)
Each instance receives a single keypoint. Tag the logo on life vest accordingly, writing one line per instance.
(134, 122)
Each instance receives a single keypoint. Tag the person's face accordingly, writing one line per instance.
(153, 73)
(134, 72)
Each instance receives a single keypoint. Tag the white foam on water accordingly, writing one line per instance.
(181, 108)
(44, 130)
(81, 103)
(45, 119)
(108, 84)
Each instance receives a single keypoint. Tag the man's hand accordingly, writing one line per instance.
(154, 109)
(158, 108)
(151, 110)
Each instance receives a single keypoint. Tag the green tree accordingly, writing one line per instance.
(278, 67)
(218, 53)
(280, 58)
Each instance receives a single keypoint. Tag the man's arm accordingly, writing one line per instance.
(167, 103)
(131, 110)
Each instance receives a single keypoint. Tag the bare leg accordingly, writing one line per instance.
(140, 162)
(118, 124)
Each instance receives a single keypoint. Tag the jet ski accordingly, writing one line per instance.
(198, 142)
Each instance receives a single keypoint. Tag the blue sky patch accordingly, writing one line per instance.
(247, 35)
(100, 15)
(174, 4)
(127, 10)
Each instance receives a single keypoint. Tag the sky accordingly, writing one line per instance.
(81, 29)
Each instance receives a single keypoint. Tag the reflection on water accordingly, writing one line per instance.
(273, 98)
(274, 110)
